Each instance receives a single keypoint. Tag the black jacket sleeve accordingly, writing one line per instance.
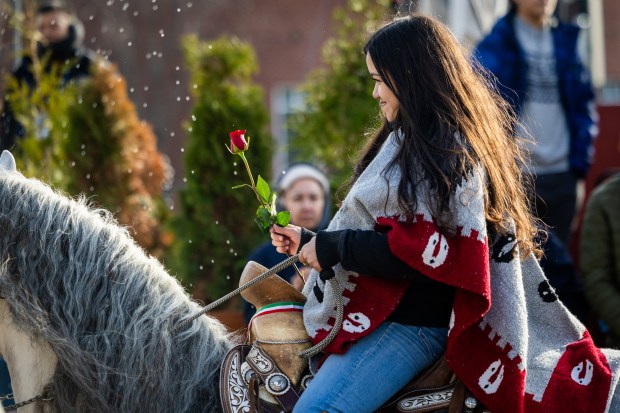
(363, 251)
(306, 235)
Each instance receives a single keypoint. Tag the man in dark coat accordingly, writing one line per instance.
(60, 46)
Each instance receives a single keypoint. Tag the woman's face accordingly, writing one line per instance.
(305, 200)
(387, 100)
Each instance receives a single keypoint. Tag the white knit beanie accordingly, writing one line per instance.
(300, 171)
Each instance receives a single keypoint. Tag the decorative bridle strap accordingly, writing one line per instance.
(40, 398)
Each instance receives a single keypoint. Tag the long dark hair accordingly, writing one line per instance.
(450, 122)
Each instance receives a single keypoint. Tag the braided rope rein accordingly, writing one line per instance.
(280, 266)
(309, 352)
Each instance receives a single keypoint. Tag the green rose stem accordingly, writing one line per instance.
(253, 185)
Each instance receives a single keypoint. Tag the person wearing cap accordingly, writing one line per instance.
(60, 47)
(304, 191)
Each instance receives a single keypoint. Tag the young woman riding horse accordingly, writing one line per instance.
(433, 247)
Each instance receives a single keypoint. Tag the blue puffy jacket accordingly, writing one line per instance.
(500, 53)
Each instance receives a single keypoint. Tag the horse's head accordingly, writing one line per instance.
(71, 277)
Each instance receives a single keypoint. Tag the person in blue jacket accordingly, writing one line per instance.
(537, 67)
(304, 191)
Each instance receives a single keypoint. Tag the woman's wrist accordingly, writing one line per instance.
(306, 235)
(327, 248)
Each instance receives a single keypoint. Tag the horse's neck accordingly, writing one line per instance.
(31, 361)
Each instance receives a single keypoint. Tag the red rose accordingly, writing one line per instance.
(238, 142)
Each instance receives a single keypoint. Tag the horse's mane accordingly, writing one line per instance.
(73, 277)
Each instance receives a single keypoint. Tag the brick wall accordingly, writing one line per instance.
(611, 12)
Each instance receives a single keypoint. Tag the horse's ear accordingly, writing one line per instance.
(7, 162)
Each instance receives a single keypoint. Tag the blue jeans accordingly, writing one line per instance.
(373, 369)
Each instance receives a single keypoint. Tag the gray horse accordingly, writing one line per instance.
(88, 317)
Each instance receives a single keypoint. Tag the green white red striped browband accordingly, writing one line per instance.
(281, 307)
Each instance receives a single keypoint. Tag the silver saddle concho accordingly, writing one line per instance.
(269, 376)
